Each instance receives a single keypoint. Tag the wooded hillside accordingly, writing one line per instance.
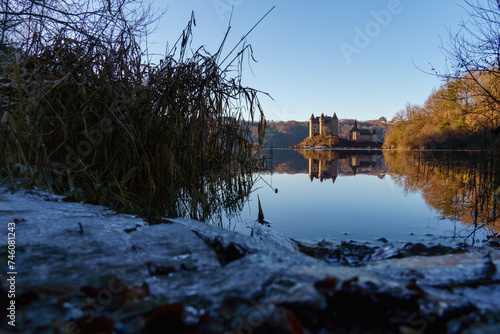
(465, 111)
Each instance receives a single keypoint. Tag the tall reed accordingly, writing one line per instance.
(92, 115)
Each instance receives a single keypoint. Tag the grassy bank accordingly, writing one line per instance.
(320, 140)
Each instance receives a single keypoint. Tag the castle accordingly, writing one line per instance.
(325, 125)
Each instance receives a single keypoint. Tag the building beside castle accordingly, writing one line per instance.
(323, 125)
(362, 135)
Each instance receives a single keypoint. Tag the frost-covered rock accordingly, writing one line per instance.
(74, 261)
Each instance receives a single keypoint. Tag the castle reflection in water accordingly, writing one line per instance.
(328, 164)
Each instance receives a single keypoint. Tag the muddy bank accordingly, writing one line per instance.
(83, 269)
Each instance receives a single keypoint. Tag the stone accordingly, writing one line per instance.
(131, 275)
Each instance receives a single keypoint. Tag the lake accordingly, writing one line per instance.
(340, 195)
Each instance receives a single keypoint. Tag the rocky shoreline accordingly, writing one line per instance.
(84, 269)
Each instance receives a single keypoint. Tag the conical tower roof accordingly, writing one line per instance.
(355, 127)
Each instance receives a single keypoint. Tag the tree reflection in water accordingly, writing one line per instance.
(460, 186)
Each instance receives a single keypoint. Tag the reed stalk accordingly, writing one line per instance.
(82, 112)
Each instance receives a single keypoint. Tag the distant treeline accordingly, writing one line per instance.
(454, 116)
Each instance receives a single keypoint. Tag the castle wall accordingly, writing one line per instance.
(365, 138)
(335, 128)
(357, 136)
(314, 129)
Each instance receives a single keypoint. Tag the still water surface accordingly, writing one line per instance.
(369, 195)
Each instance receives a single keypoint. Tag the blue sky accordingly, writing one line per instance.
(360, 58)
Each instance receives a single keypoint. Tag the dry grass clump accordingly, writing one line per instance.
(90, 116)
(320, 140)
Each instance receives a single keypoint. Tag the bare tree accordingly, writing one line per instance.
(31, 24)
(475, 56)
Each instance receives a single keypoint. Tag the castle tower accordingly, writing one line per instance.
(321, 123)
(311, 126)
(354, 133)
(335, 125)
